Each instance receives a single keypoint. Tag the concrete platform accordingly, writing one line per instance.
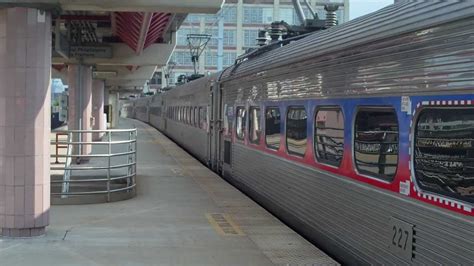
(184, 214)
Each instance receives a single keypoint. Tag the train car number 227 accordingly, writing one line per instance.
(401, 238)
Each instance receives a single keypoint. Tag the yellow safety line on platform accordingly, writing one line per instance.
(224, 225)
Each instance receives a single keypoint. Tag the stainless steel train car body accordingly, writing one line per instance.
(352, 219)
(142, 106)
(416, 51)
(156, 112)
(193, 96)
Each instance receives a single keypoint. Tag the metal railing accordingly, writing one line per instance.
(119, 145)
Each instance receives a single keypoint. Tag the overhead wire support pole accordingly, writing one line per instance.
(197, 43)
(220, 41)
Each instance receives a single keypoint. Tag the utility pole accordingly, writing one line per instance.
(220, 40)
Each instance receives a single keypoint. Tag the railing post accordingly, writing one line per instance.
(108, 168)
(57, 149)
(134, 178)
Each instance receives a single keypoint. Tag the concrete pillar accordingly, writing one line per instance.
(100, 122)
(115, 105)
(80, 104)
(25, 120)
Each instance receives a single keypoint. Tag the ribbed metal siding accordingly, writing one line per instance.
(194, 140)
(432, 61)
(354, 215)
(386, 23)
(195, 93)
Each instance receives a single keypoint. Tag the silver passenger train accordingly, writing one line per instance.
(360, 137)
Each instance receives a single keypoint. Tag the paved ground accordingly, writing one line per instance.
(183, 215)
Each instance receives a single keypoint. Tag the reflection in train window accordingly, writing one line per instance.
(329, 135)
(444, 152)
(240, 122)
(272, 127)
(254, 125)
(296, 130)
(228, 120)
(376, 142)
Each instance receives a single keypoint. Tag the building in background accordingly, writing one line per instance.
(242, 21)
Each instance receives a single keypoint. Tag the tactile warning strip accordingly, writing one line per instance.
(223, 224)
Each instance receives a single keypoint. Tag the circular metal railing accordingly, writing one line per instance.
(101, 167)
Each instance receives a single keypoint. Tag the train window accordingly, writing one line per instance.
(272, 127)
(190, 115)
(200, 116)
(254, 125)
(240, 122)
(444, 152)
(186, 115)
(196, 116)
(203, 117)
(329, 135)
(296, 130)
(376, 142)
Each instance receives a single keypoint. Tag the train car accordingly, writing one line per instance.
(360, 137)
(187, 116)
(156, 118)
(141, 109)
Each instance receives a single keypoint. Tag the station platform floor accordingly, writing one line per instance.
(183, 214)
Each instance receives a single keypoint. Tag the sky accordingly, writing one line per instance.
(361, 7)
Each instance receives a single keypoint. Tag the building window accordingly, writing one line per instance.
(182, 58)
(240, 122)
(329, 135)
(376, 142)
(229, 58)
(211, 59)
(444, 152)
(182, 35)
(193, 18)
(230, 37)
(296, 132)
(272, 127)
(258, 15)
(250, 38)
(230, 14)
(254, 125)
(214, 34)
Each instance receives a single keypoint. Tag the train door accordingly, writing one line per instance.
(164, 114)
(214, 126)
(227, 114)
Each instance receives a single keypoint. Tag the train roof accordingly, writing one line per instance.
(390, 21)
